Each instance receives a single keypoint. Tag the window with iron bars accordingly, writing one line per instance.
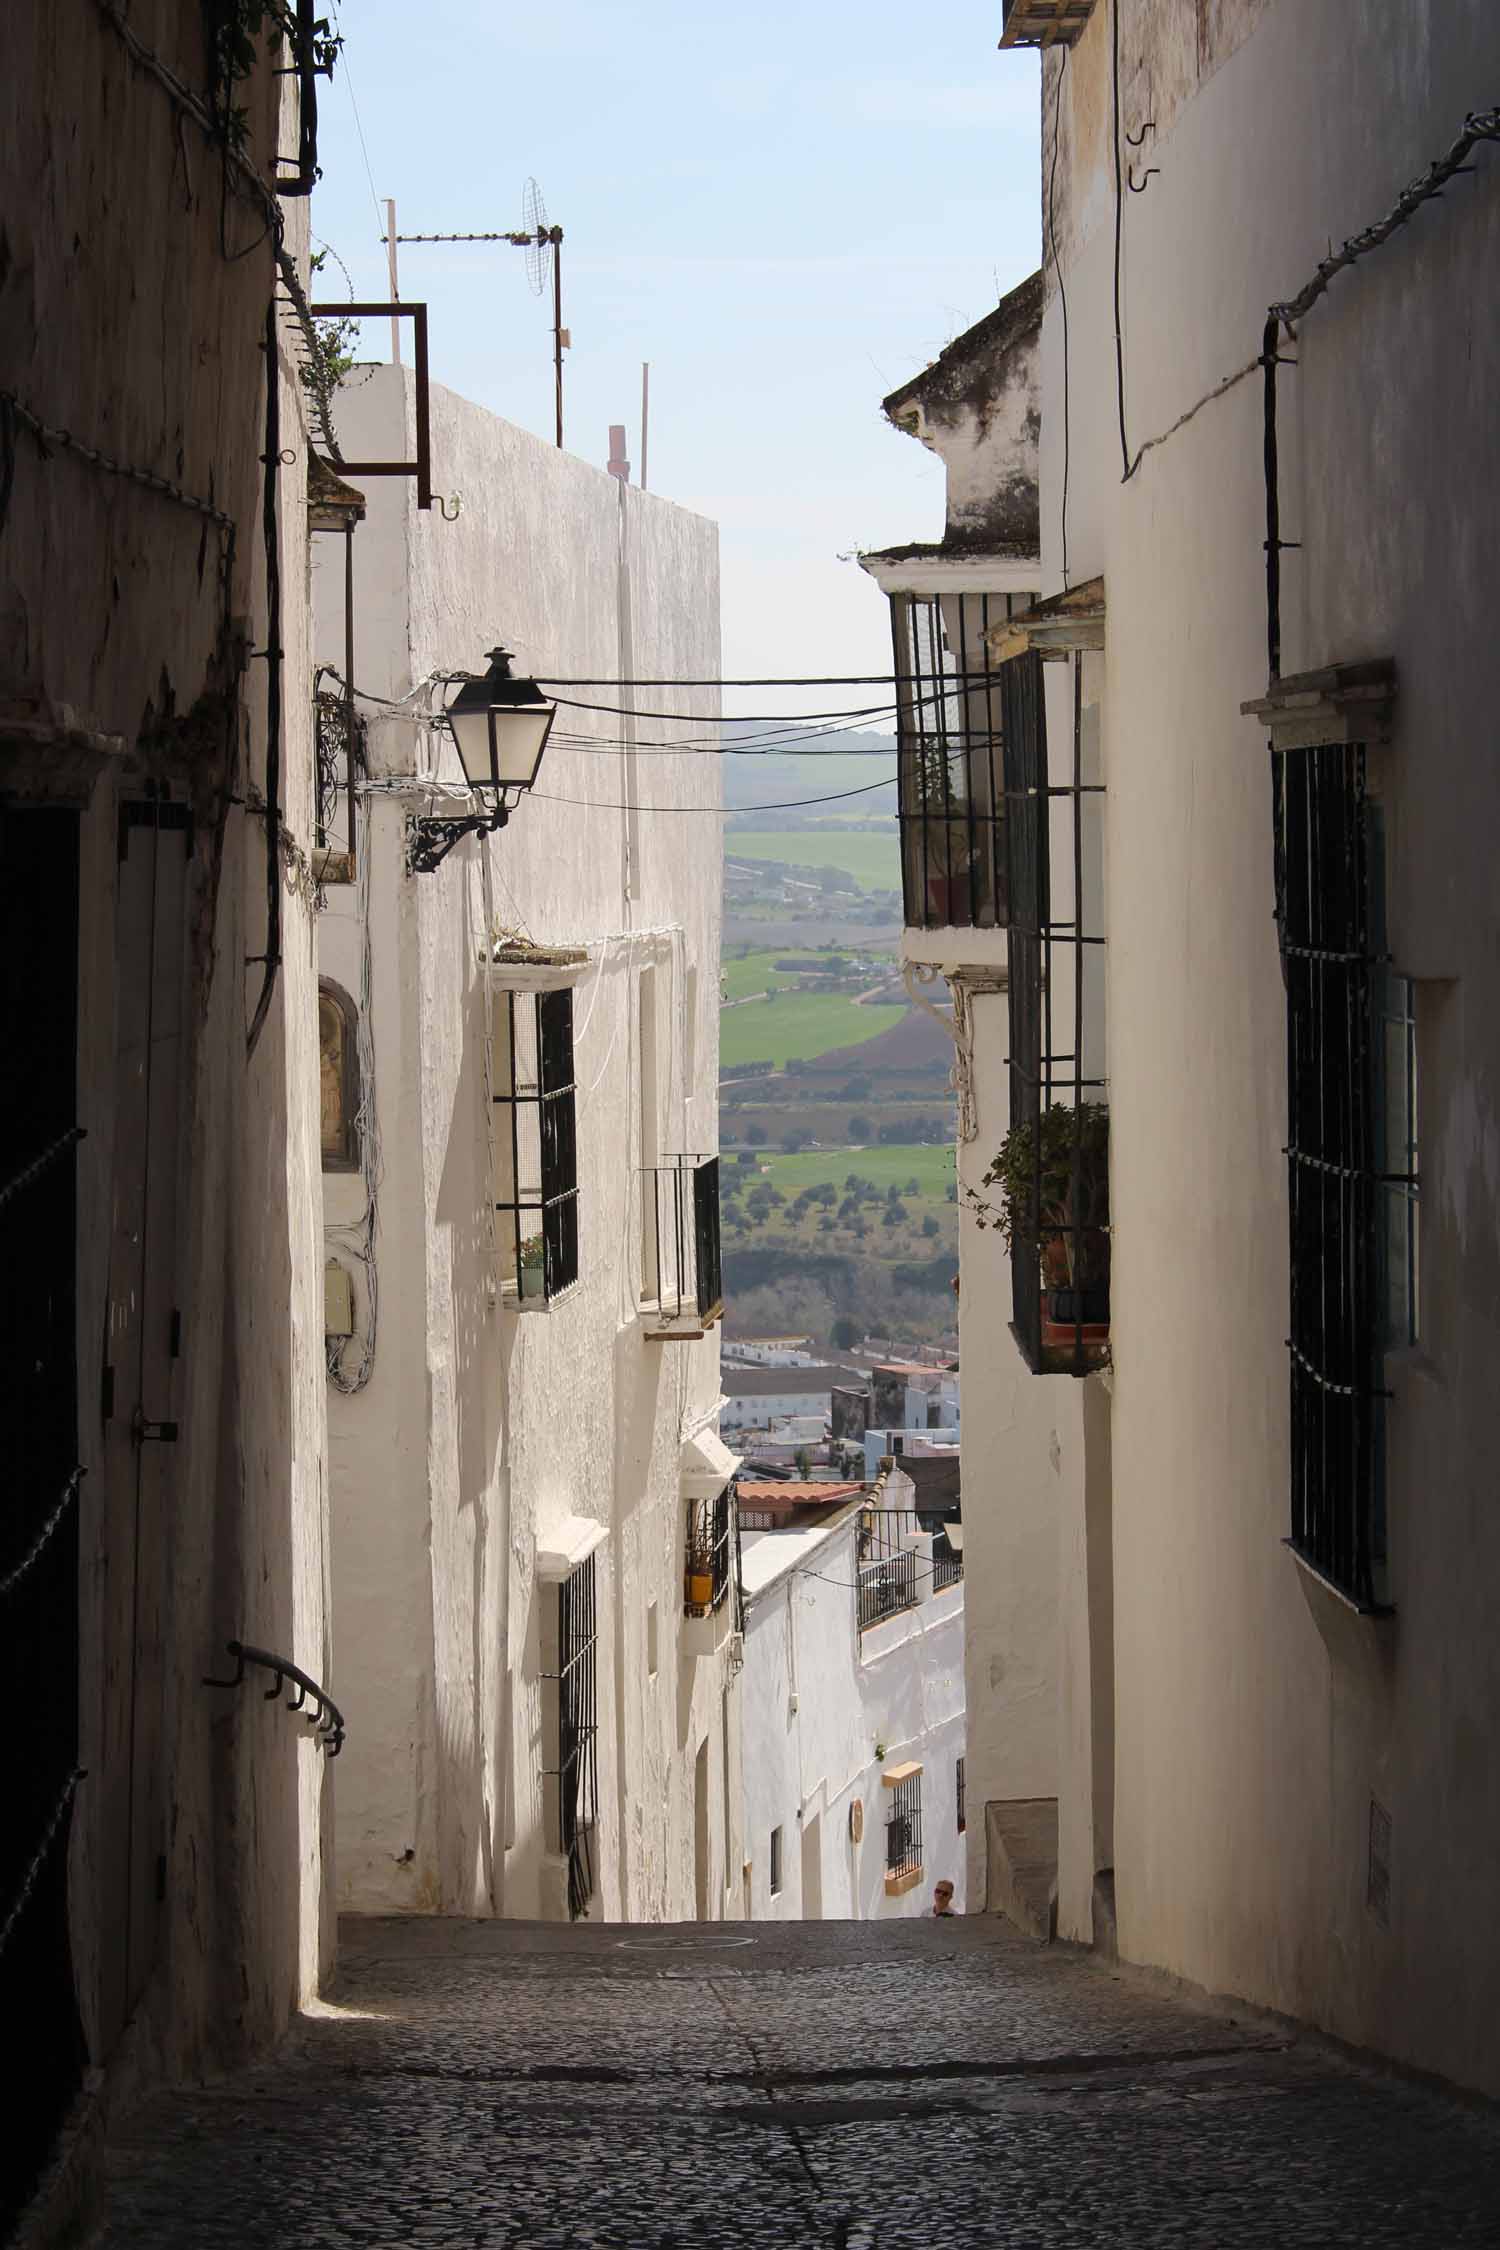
(1056, 1168)
(536, 1147)
(1352, 1177)
(707, 1572)
(576, 1772)
(950, 782)
(684, 1262)
(903, 1831)
(961, 1790)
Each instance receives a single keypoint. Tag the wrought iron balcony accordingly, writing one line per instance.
(887, 1587)
(1044, 23)
(708, 1556)
(887, 1532)
(682, 1274)
(1051, 1174)
(950, 778)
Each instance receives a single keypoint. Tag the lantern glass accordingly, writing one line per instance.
(500, 726)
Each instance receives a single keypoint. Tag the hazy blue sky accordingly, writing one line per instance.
(787, 209)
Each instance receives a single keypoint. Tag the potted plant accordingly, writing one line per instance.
(533, 1270)
(698, 1584)
(1052, 1173)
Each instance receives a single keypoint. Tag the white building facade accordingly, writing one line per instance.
(1263, 455)
(1030, 1429)
(529, 1495)
(853, 1713)
(1237, 1607)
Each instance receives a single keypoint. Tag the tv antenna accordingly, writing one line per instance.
(539, 238)
(536, 238)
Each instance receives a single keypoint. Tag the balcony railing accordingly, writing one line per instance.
(1053, 1168)
(708, 1557)
(886, 1588)
(887, 1533)
(682, 1280)
(949, 765)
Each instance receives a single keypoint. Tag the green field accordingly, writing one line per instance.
(798, 1026)
(749, 973)
(756, 972)
(884, 1167)
(873, 862)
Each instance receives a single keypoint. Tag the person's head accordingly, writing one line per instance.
(942, 1897)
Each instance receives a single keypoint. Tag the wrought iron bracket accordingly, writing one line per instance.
(431, 837)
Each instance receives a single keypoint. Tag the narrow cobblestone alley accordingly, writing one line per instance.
(896, 2087)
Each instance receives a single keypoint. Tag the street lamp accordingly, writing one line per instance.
(500, 727)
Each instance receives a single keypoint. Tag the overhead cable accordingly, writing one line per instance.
(721, 812)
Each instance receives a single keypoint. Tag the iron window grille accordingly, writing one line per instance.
(709, 1554)
(903, 1829)
(950, 782)
(576, 1772)
(536, 1189)
(1349, 1190)
(340, 765)
(683, 1245)
(775, 1863)
(960, 1786)
(1059, 1241)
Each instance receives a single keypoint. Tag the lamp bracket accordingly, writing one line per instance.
(430, 837)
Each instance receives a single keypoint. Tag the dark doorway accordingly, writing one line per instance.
(39, 1492)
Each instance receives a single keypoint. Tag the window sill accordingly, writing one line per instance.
(513, 1300)
(537, 968)
(1341, 1594)
(658, 1327)
(896, 1885)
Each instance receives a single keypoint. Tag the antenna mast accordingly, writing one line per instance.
(535, 237)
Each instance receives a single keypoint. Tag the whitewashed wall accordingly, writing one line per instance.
(482, 1428)
(1256, 1718)
(825, 1709)
(198, 1817)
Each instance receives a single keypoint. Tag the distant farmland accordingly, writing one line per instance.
(799, 1026)
(872, 862)
(931, 1168)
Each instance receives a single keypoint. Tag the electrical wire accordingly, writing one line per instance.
(358, 124)
(831, 679)
(754, 718)
(800, 1570)
(721, 812)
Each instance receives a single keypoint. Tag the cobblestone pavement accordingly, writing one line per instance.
(862, 2087)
